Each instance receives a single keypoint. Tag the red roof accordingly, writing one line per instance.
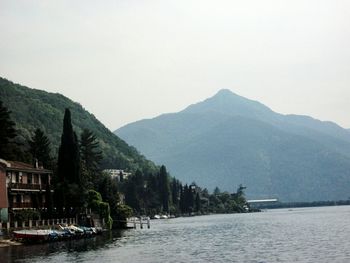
(14, 165)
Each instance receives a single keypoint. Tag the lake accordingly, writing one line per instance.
(282, 235)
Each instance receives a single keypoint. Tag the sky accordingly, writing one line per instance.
(126, 60)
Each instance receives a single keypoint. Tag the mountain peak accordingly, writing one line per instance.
(228, 94)
(224, 92)
(227, 102)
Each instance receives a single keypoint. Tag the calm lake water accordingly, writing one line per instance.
(283, 235)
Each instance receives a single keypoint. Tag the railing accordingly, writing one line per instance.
(27, 205)
(22, 205)
(133, 221)
(14, 186)
(36, 223)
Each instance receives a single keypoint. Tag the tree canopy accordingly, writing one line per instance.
(39, 147)
(90, 155)
(7, 133)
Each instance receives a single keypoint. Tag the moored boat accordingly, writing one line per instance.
(33, 235)
(60, 233)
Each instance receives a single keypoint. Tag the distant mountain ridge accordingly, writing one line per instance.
(33, 109)
(228, 139)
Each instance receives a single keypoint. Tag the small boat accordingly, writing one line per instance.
(33, 235)
(156, 217)
(74, 230)
(60, 233)
(164, 217)
(89, 231)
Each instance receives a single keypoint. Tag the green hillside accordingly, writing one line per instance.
(33, 109)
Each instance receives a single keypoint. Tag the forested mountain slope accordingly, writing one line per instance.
(33, 109)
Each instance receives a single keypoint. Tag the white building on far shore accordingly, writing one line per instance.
(118, 174)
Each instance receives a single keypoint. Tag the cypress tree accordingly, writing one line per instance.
(68, 167)
(185, 199)
(190, 200)
(175, 192)
(68, 154)
(198, 203)
(164, 188)
(182, 200)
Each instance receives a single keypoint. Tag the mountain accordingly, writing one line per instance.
(33, 109)
(229, 140)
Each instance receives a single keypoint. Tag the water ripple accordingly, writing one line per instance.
(301, 235)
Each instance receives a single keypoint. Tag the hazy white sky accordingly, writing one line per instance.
(132, 59)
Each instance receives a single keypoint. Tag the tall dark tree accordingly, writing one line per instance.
(90, 155)
(190, 200)
(198, 203)
(151, 193)
(164, 188)
(39, 147)
(7, 133)
(186, 199)
(175, 192)
(134, 191)
(68, 167)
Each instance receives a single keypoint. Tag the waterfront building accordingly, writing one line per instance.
(22, 186)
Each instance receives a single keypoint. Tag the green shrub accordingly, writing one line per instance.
(94, 201)
(26, 215)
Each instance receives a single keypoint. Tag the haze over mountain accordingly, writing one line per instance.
(229, 140)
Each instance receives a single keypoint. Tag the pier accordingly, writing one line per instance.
(261, 203)
(133, 222)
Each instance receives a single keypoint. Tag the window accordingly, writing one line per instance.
(44, 178)
(18, 199)
(30, 178)
(13, 177)
(36, 179)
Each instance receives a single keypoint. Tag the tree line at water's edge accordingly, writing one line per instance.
(79, 181)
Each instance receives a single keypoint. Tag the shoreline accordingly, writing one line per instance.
(9, 242)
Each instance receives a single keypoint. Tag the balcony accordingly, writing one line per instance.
(17, 186)
(22, 205)
(27, 205)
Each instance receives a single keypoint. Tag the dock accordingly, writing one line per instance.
(142, 222)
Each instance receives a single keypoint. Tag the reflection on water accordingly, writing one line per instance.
(300, 235)
(70, 249)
